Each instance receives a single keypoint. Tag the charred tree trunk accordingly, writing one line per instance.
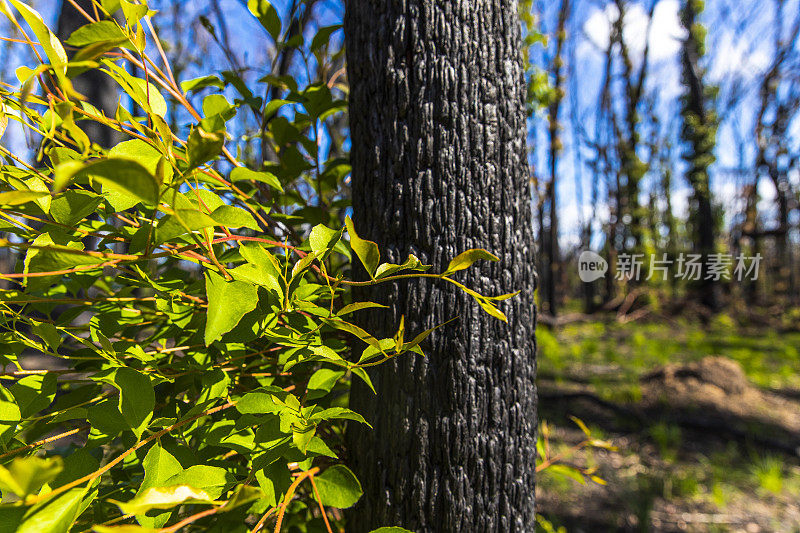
(699, 132)
(98, 88)
(553, 132)
(439, 166)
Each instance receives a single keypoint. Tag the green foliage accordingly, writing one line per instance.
(195, 305)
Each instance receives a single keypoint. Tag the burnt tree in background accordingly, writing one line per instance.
(98, 88)
(439, 166)
(699, 133)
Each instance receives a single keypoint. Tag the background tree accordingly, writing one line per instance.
(550, 247)
(98, 88)
(699, 133)
(439, 166)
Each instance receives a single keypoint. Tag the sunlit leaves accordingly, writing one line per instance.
(228, 302)
(338, 487)
(34, 393)
(189, 283)
(234, 217)
(12, 198)
(136, 398)
(56, 515)
(243, 173)
(26, 475)
(100, 31)
(204, 146)
(122, 175)
(367, 251)
(164, 498)
(181, 222)
(412, 263)
(322, 240)
(465, 260)
(142, 92)
(267, 16)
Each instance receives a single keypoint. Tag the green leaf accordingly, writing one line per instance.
(412, 263)
(333, 413)
(54, 258)
(141, 91)
(322, 240)
(234, 217)
(262, 268)
(353, 330)
(274, 479)
(98, 32)
(201, 83)
(12, 198)
(217, 104)
(567, 471)
(465, 259)
(323, 36)
(302, 435)
(257, 403)
(182, 222)
(164, 498)
(159, 465)
(367, 251)
(358, 306)
(484, 301)
(48, 333)
(124, 176)
(71, 207)
(267, 15)
(391, 529)
(26, 475)
(133, 12)
(204, 146)
(34, 393)
(210, 479)
(301, 266)
(50, 44)
(322, 381)
(136, 398)
(242, 495)
(243, 173)
(228, 302)
(143, 153)
(338, 487)
(54, 515)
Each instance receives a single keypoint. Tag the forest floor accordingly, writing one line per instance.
(705, 421)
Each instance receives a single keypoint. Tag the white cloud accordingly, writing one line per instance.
(666, 32)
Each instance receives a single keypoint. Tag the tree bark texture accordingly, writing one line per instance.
(439, 167)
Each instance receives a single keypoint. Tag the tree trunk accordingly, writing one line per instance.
(553, 130)
(98, 88)
(699, 133)
(439, 166)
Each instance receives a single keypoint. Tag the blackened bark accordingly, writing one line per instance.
(699, 132)
(553, 130)
(439, 166)
(98, 88)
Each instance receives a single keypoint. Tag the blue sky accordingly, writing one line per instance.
(739, 48)
(739, 42)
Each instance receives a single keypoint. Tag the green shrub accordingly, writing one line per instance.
(194, 314)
